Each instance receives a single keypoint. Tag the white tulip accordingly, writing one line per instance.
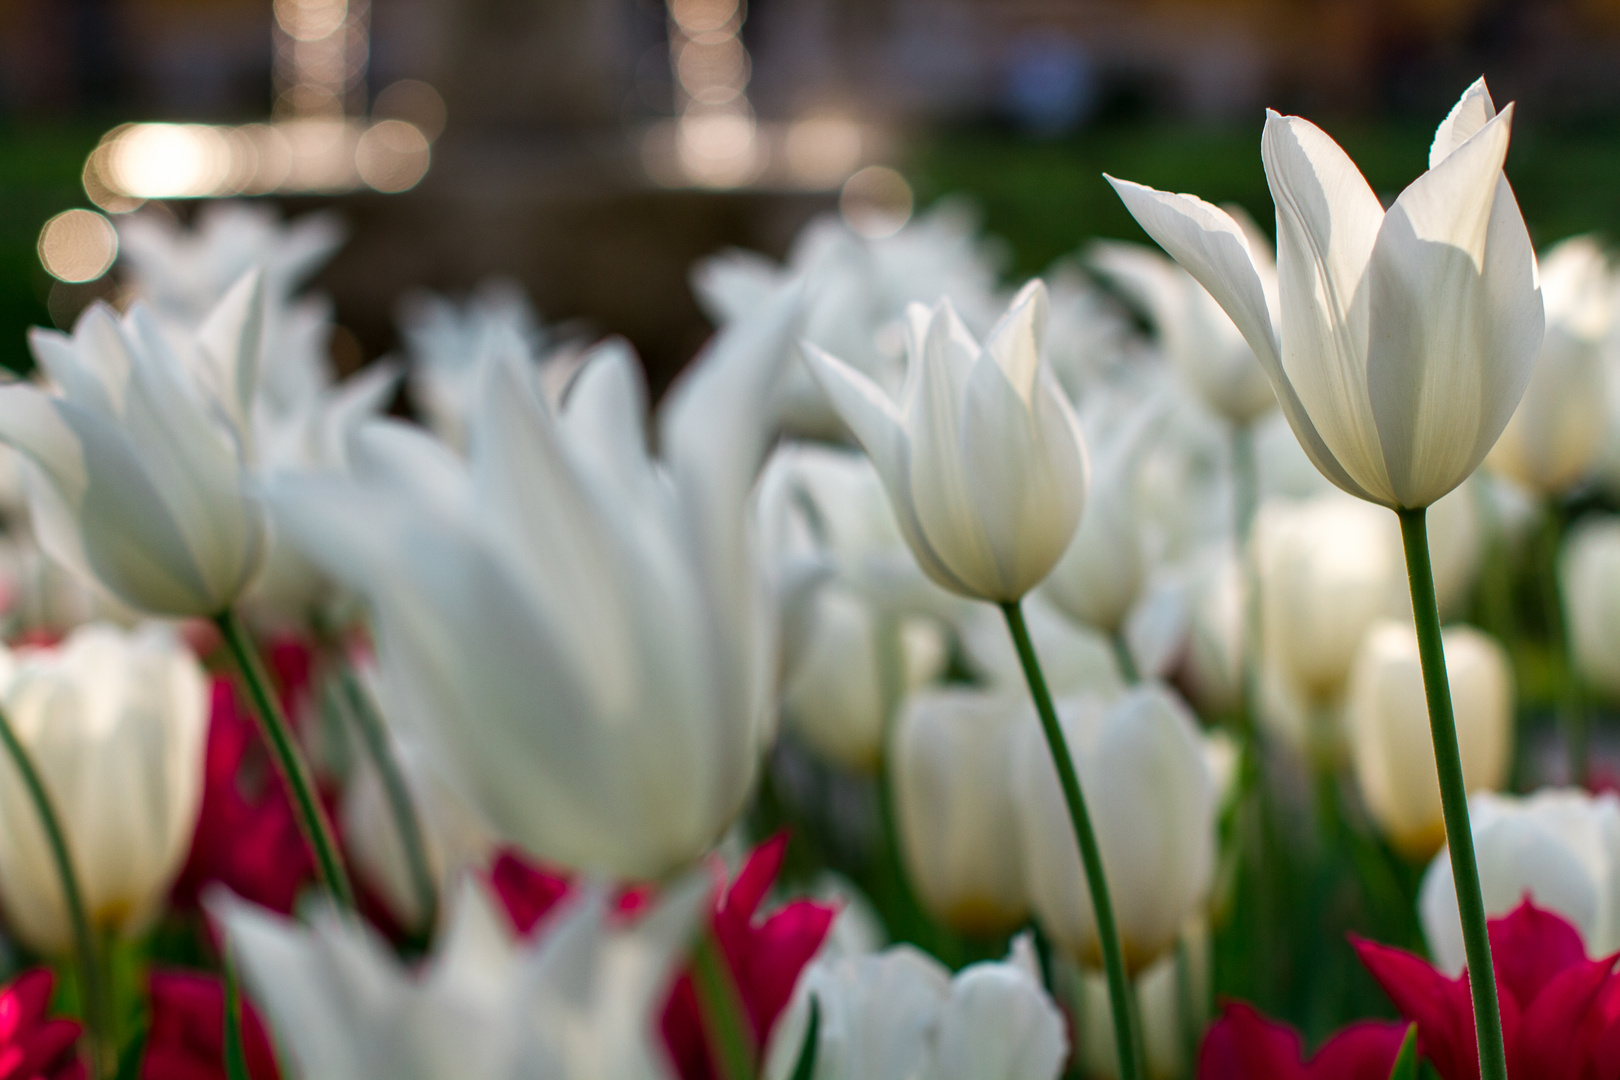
(1171, 1001)
(576, 1001)
(1398, 342)
(1152, 799)
(1559, 847)
(1589, 579)
(1075, 659)
(900, 1015)
(1327, 569)
(1206, 348)
(982, 457)
(1211, 668)
(116, 724)
(576, 630)
(957, 810)
(1387, 721)
(1559, 427)
(137, 464)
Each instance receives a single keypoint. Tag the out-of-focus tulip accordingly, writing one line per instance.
(1076, 659)
(1211, 664)
(576, 1003)
(606, 699)
(957, 809)
(900, 1015)
(1243, 1045)
(1559, 427)
(137, 461)
(1200, 339)
(32, 1046)
(186, 1040)
(1152, 802)
(115, 723)
(1589, 578)
(1327, 570)
(1560, 1010)
(1398, 342)
(982, 456)
(1387, 722)
(1559, 847)
(1170, 1002)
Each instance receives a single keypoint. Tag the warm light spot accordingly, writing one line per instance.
(412, 100)
(702, 16)
(823, 151)
(392, 156)
(166, 161)
(78, 245)
(875, 202)
(713, 73)
(718, 149)
(311, 20)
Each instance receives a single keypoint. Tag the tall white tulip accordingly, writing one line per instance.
(1387, 721)
(1559, 427)
(1398, 342)
(137, 462)
(901, 1015)
(982, 456)
(1152, 799)
(115, 722)
(1202, 342)
(577, 630)
(1589, 579)
(1559, 847)
(576, 1001)
(957, 808)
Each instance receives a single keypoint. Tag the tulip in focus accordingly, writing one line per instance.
(1559, 427)
(33, 1047)
(1589, 579)
(577, 632)
(115, 722)
(1387, 722)
(1243, 1045)
(1398, 342)
(137, 463)
(957, 807)
(982, 455)
(901, 1015)
(1152, 800)
(1559, 848)
(1560, 1010)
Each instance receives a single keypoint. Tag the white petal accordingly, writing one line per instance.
(998, 1025)
(232, 339)
(1015, 341)
(1471, 113)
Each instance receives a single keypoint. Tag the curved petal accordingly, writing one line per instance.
(1015, 341)
(1472, 112)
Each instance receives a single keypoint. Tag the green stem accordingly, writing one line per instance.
(1571, 710)
(97, 1014)
(1119, 983)
(236, 1067)
(731, 1041)
(374, 734)
(312, 820)
(1453, 796)
(1188, 1015)
(1123, 657)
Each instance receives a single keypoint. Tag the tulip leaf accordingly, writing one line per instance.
(1406, 1063)
(235, 1059)
(806, 1067)
(129, 1063)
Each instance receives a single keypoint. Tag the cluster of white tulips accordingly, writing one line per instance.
(1082, 668)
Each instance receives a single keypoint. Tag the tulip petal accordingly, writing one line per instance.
(1530, 946)
(1547, 1041)
(1456, 320)
(1327, 223)
(1440, 1007)
(231, 340)
(1471, 113)
(1243, 1045)
(1363, 1051)
(1015, 341)
(1009, 487)
(998, 1025)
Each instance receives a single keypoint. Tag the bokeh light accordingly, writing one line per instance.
(77, 245)
(876, 202)
(392, 155)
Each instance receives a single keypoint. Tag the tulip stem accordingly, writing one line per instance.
(1453, 796)
(92, 987)
(312, 819)
(374, 733)
(1119, 983)
(1125, 658)
(725, 1018)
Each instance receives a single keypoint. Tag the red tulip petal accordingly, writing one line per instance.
(1529, 947)
(1362, 1051)
(1552, 1041)
(1243, 1045)
(1440, 1007)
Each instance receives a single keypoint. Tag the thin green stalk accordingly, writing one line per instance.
(93, 988)
(312, 820)
(1124, 658)
(1571, 709)
(1188, 1014)
(725, 1018)
(1119, 983)
(1453, 796)
(374, 734)
(236, 1067)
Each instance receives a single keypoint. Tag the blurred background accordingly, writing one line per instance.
(592, 149)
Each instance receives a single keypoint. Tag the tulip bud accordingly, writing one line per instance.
(1589, 574)
(1559, 847)
(1171, 1002)
(1211, 668)
(1559, 426)
(116, 724)
(1152, 801)
(982, 456)
(1387, 720)
(1327, 570)
(957, 810)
